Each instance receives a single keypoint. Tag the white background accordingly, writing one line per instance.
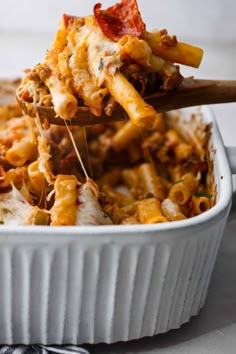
(201, 19)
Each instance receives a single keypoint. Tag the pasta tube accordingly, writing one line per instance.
(65, 206)
(21, 151)
(131, 178)
(139, 112)
(149, 211)
(171, 210)
(139, 51)
(179, 193)
(64, 102)
(36, 178)
(125, 135)
(84, 85)
(200, 204)
(181, 53)
(151, 183)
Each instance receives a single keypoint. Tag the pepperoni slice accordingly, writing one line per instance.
(68, 20)
(121, 19)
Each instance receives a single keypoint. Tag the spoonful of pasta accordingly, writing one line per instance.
(191, 92)
(107, 67)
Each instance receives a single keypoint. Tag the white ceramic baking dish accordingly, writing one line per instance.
(111, 283)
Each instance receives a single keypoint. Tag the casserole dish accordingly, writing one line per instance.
(112, 283)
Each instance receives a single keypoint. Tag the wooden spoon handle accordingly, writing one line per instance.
(194, 92)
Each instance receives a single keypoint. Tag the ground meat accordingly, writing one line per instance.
(167, 40)
(110, 106)
(43, 71)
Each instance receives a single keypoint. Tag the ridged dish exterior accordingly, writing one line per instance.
(103, 288)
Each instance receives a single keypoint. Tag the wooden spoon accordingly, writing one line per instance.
(191, 92)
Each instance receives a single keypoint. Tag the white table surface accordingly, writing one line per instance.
(214, 329)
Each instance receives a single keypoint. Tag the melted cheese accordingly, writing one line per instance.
(89, 211)
(103, 53)
(15, 210)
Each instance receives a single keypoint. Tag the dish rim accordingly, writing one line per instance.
(112, 230)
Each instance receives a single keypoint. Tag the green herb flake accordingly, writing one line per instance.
(203, 194)
(100, 66)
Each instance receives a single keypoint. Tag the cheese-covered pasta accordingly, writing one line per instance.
(94, 60)
(137, 177)
(134, 172)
